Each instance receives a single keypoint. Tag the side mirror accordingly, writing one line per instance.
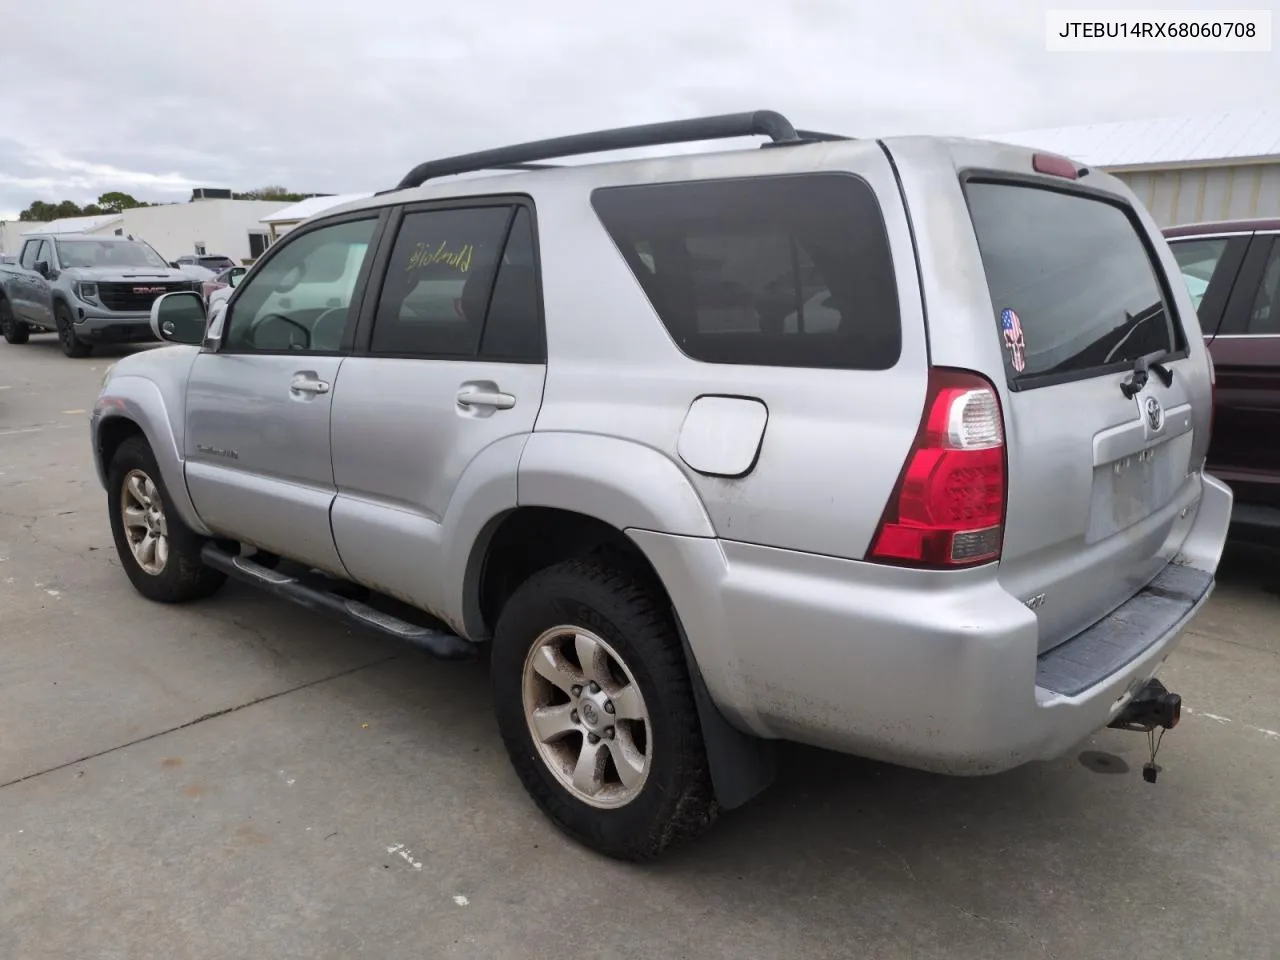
(179, 317)
(42, 268)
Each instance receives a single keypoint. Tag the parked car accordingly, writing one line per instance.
(1233, 272)
(85, 288)
(212, 262)
(225, 281)
(961, 544)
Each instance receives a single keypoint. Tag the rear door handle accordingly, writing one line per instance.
(475, 397)
(304, 384)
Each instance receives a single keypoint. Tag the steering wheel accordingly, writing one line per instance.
(319, 334)
(260, 322)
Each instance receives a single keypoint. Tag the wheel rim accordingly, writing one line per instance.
(145, 526)
(587, 717)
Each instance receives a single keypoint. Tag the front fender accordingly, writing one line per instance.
(625, 484)
(141, 401)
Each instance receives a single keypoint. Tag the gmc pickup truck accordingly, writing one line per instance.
(86, 289)
(1233, 272)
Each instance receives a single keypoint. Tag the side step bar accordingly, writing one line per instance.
(438, 643)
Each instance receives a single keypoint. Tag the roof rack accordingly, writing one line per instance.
(523, 156)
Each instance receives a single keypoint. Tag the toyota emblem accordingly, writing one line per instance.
(1155, 413)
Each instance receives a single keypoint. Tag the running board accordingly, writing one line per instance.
(438, 643)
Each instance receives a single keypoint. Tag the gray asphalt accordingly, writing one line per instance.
(240, 779)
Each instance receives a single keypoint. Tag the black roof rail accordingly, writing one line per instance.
(818, 135)
(760, 123)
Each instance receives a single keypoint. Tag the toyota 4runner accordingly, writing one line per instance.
(894, 447)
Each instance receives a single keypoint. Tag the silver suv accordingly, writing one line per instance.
(892, 447)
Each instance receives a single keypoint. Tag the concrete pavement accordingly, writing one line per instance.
(239, 778)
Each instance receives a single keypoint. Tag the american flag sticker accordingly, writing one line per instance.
(1011, 327)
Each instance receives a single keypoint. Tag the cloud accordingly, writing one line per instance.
(346, 97)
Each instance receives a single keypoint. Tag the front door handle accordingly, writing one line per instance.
(304, 384)
(475, 397)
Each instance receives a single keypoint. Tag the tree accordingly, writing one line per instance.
(67, 208)
(115, 201)
(38, 212)
(273, 192)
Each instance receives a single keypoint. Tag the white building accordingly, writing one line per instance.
(281, 222)
(1223, 166)
(230, 228)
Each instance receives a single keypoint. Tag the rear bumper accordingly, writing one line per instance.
(938, 672)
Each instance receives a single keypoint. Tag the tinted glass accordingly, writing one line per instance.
(438, 282)
(45, 253)
(301, 299)
(1265, 315)
(1198, 259)
(1072, 284)
(783, 271)
(513, 325)
(28, 258)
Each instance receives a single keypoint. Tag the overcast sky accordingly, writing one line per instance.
(336, 96)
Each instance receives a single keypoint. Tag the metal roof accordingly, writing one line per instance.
(1169, 141)
(76, 224)
(310, 207)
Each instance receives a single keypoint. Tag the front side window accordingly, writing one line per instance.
(301, 299)
(28, 258)
(1264, 317)
(1197, 261)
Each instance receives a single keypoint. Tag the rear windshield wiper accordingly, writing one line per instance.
(1142, 369)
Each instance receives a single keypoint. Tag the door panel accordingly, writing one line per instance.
(402, 442)
(259, 458)
(258, 464)
(454, 366)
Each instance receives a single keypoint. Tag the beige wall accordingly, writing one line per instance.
(1196, 194)
(11, 232)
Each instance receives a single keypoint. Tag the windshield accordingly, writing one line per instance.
(108, 253)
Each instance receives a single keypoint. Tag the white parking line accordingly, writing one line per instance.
(12, 433)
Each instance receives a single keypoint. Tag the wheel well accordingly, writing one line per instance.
(530, 539)
(113, 432)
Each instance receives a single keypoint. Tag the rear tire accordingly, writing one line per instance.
(577, 621)
(15, 331)
(160, 554)
(71, 345)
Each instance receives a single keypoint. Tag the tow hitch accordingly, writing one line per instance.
(1151, 707)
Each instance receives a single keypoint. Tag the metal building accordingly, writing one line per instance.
(1222, 166)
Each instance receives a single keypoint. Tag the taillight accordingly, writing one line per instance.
(947, 510)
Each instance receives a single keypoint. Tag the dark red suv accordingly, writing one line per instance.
(1233, 271)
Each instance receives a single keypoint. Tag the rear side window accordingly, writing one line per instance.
(1197, 261)
(784, 271)
(439, 281)
(1072, 284)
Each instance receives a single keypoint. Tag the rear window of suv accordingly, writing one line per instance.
(791, 271)
(1072, 284)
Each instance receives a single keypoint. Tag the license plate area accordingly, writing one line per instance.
(1131, 488)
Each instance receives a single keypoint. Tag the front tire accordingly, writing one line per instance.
(71, 345)
(15, 331)
(159, 553)
(595, 706)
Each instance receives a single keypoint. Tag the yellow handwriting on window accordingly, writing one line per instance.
(424, 256)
